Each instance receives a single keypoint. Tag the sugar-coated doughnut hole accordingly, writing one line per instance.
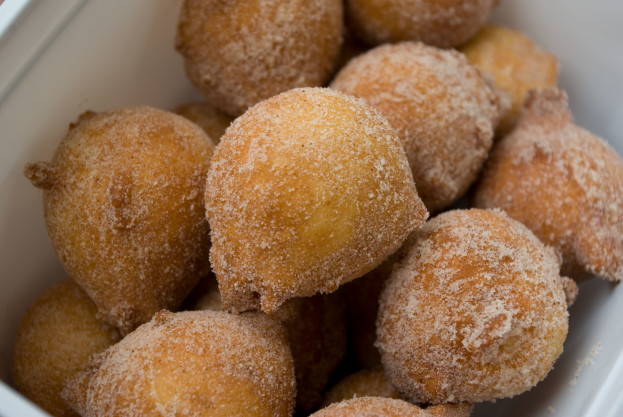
(564, 183)
(56, 338)
(200, 363)
(123, 204)
(515, 62)
(442, 23)
(439, 104)
(307, 190)
(240, 52)
(475, 311)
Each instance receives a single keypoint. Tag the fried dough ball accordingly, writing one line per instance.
(123, 203)
(389, 407)
(316, 328)
(364, 383)
(362, 297)
(199, 363)
(562, 182)
(474, 312)
(516, 63)
(212, 121)
(240, 52)
(439, 104)
(307, 190)
(444, 24)
(55, 340)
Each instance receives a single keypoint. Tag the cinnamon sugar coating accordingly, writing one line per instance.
(123, 203)
(307, 190)
(441, 23)
(564, 183)
(439, 104)
(240, 52)
(212, 121)
(474, 312)
(515, 62)
(198, 363)
(389, 407)
(316, 328)
(364, 383)
(55, 340)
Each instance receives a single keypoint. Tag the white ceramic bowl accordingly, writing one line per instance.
(59, 58)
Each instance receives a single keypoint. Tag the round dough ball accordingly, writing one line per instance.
(439, 104)
(123, 203)
(364, 383)
(474, 312)
(317, 336)
(564, 183)
(55, 340)
(198, 363)
(307, 190)
(240, 52)
(442, 23)
(515, 62)
(389, 407)
(212, 121)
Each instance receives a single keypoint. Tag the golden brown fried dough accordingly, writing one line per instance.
(316, 328)
(212, 121)
(389, 407)
(364, 383)
(307, 190)
(515, 62)
(240, 52)
(442, 23)
(562, 182)
(198, 363)
(123, 203)
(474, 312)
(55, 340)
(439, 104)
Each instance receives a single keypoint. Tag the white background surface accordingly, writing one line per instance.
(66, 56)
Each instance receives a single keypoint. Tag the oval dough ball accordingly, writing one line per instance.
(123, 203)
(439, 104)
(199, 363)
(212, 121)
(444, 23)
(474, 312)
(515, 62)
(317, 335)
(240, 52)
(562, 182)
(389, 407)
(55, 340)
(364, 383)
(307, 190)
